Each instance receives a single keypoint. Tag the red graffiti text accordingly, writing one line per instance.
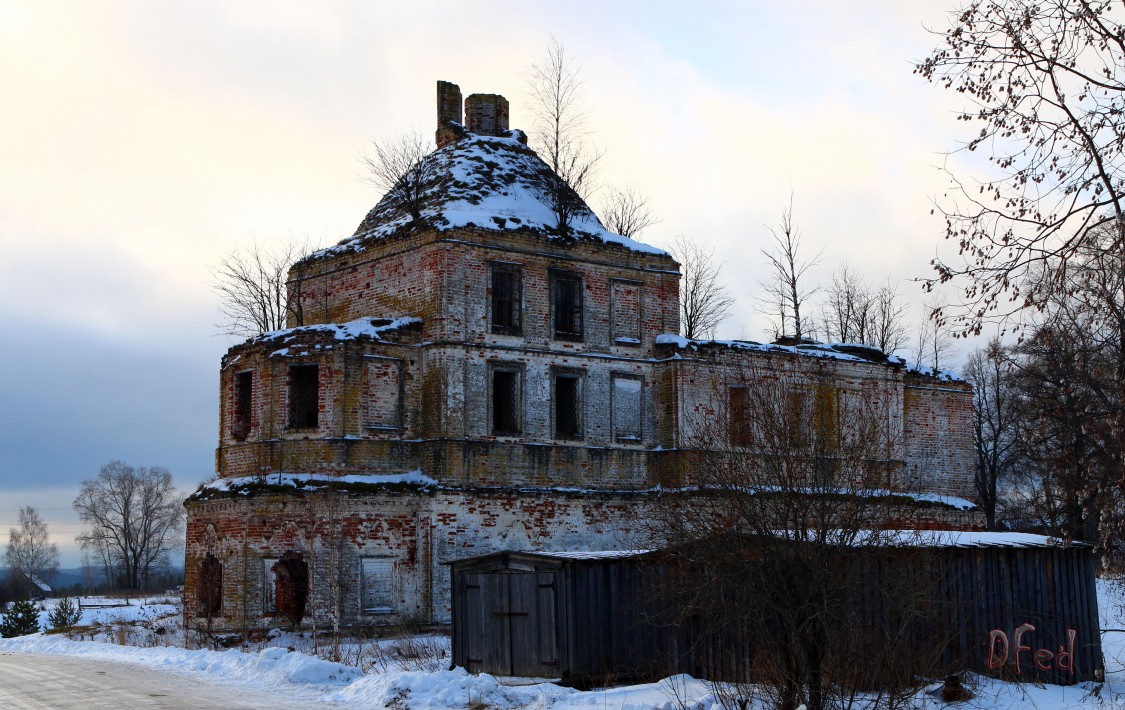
(999, 649)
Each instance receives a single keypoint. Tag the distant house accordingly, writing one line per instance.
(481, 380)
(27, 585)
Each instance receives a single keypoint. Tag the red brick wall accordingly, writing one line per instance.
(418, 532)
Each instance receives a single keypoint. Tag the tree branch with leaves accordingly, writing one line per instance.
(1046, 86)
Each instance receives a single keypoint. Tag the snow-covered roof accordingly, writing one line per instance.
(558, 555)
(837, 351)
(969, 538)
(592, 554)
(249, 485)
(291, 344)
(849, 538)
(943, 375)
(853, 352)
(493, 182)
(372, 328)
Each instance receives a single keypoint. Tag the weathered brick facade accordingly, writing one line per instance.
(516, 395)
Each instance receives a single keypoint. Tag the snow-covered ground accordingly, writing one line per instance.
(411, 672)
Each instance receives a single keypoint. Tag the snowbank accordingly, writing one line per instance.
(320, 682)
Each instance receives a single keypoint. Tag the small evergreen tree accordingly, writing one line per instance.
(20, 620)
(64, 615)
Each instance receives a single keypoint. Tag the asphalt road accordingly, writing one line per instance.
(35, 682)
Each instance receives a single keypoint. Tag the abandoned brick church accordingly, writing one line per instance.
(471, 381)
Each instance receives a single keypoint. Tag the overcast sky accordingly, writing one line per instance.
(142, 141)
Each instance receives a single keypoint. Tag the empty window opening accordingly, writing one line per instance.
(739, 417)
(566, 300)
(627, 409)
(375, 579)
(243, 402)
(210, 586)
(505, 401)
(568, 406)
(290, 586)
(304, 396)
(506, 299)
(797, 417)
(852, 420)
(625, 297)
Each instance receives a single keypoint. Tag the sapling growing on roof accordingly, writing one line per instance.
(561, 133)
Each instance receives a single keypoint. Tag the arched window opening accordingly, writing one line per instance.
(210, 586)
(291, 586)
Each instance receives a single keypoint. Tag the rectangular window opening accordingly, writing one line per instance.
(384, 393)
(627, 409)
(625, 307)
(566, 305)
(740, 432)
(210, 587)
(243, 403)
(506, 300)
(505, 402)
(568, 406)
(797, 419)
(375, 578)
(304, 396)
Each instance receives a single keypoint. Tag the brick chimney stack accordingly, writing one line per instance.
(449, 112)
(486, 114)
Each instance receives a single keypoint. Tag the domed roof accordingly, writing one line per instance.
(491, 182)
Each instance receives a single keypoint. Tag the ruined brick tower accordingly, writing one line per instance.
(480, 379)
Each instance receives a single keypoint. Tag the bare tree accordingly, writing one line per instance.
(252, 284)
(704, 299)
(400, 169)
(626, 212)
(786, 288)
(854, 312)
(1071, 482)
(773, 549)
(888, 330)
(560, 133)
(135, 517)
(1046, 86)
(30, 550)
(997, 419)
(330, 557)
(848, 307)
(1067, 369)
(933, 344)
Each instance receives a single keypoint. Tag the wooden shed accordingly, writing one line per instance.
(567, 615)
(1011, 605)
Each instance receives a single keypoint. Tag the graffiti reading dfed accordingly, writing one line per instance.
(999, 650)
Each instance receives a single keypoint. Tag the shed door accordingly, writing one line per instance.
(486, 628)
(532, 624)
(509, 624)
